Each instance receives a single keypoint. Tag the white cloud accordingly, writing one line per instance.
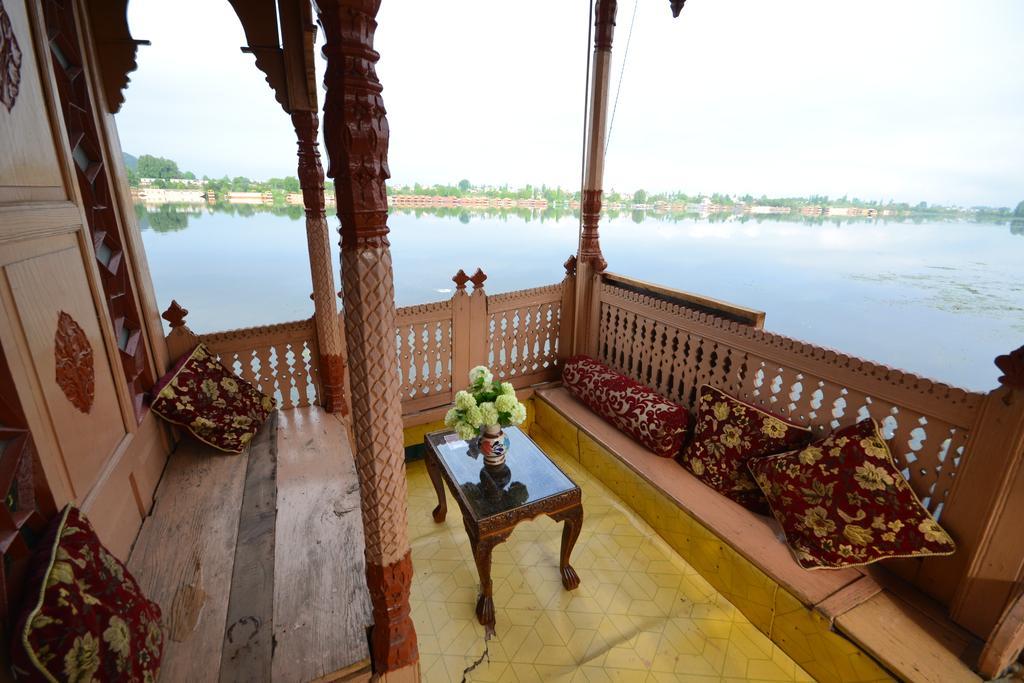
(911, 100)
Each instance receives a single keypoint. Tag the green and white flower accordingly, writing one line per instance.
(481, 375)
(475, 417)
(464, 400)
(489, 413)
(505, 403)
(485, 403)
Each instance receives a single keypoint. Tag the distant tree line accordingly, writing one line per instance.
(166, 172)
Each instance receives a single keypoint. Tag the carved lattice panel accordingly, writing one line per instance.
(675, 351)
(280, 360)
(522, 332)
(423, 342)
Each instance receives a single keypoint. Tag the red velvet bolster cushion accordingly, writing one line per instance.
(634, 409)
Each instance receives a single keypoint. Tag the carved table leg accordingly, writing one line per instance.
(434, 470)
(572, 519)
(482, 548)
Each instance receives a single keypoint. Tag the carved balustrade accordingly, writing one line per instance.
(961, 451)
(281, 360)
(515, 333)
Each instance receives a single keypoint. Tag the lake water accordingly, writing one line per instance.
(938, 299)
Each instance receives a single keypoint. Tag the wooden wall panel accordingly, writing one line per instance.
(29, 165)
(44, 287)
(97, 446)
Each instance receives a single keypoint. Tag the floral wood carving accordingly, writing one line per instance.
(175, 314)
(76, 374)
(389, 587)
(1012, 365)
(10, 61)
(570, 266)
(478, 278)
(460, 279)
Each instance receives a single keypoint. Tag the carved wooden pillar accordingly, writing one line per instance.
(590, 262)
(328, 332)
(356, 139)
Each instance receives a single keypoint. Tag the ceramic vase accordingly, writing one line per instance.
(494, 445)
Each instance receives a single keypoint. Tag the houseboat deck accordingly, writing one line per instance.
(267, 579)
(641, 613)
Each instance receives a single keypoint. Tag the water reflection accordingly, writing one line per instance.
(938, 298)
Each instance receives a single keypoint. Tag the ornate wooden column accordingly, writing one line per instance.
(590, 262)
(311, 179)
(356, 138)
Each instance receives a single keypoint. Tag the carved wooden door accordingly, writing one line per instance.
(70, 321)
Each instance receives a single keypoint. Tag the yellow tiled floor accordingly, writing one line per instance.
(640, 614)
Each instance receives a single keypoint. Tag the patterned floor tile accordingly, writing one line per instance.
(640, 614)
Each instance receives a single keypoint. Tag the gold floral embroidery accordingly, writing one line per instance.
(201, 424)
(871, 477)
(720, 410)
(731, 436)
(817, 521)
(696, 466)
(83, 659)
(61, 572)
(118, 637)
(112, 565)
(154, 637)
(933, 532)
(811, 455)
(874, 447)
(209, 388)
(229, 385)
(773, 427)
(857, 534)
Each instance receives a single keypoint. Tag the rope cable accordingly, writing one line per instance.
(622, 73)
(586, 120)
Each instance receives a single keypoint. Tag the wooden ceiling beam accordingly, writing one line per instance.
(115, 48)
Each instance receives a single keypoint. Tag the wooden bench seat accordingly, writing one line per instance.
(849, 624)
(257, 560)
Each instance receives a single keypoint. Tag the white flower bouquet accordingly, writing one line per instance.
(485, 404)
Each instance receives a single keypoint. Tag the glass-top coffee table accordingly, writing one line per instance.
(494, 500)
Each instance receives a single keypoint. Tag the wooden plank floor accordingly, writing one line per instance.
(257, 560)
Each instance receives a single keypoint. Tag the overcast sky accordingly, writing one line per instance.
(903, 99)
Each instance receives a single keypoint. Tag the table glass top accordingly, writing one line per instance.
(530, 474)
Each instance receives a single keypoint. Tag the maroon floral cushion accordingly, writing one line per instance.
(652, 420)
(84, 617)
(730, 432)
(842, 502)
(213, 403)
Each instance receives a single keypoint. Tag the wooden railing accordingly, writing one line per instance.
(961, 451)
(280, 360)
(518, 334)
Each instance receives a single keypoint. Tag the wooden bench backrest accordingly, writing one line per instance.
(675, 350)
